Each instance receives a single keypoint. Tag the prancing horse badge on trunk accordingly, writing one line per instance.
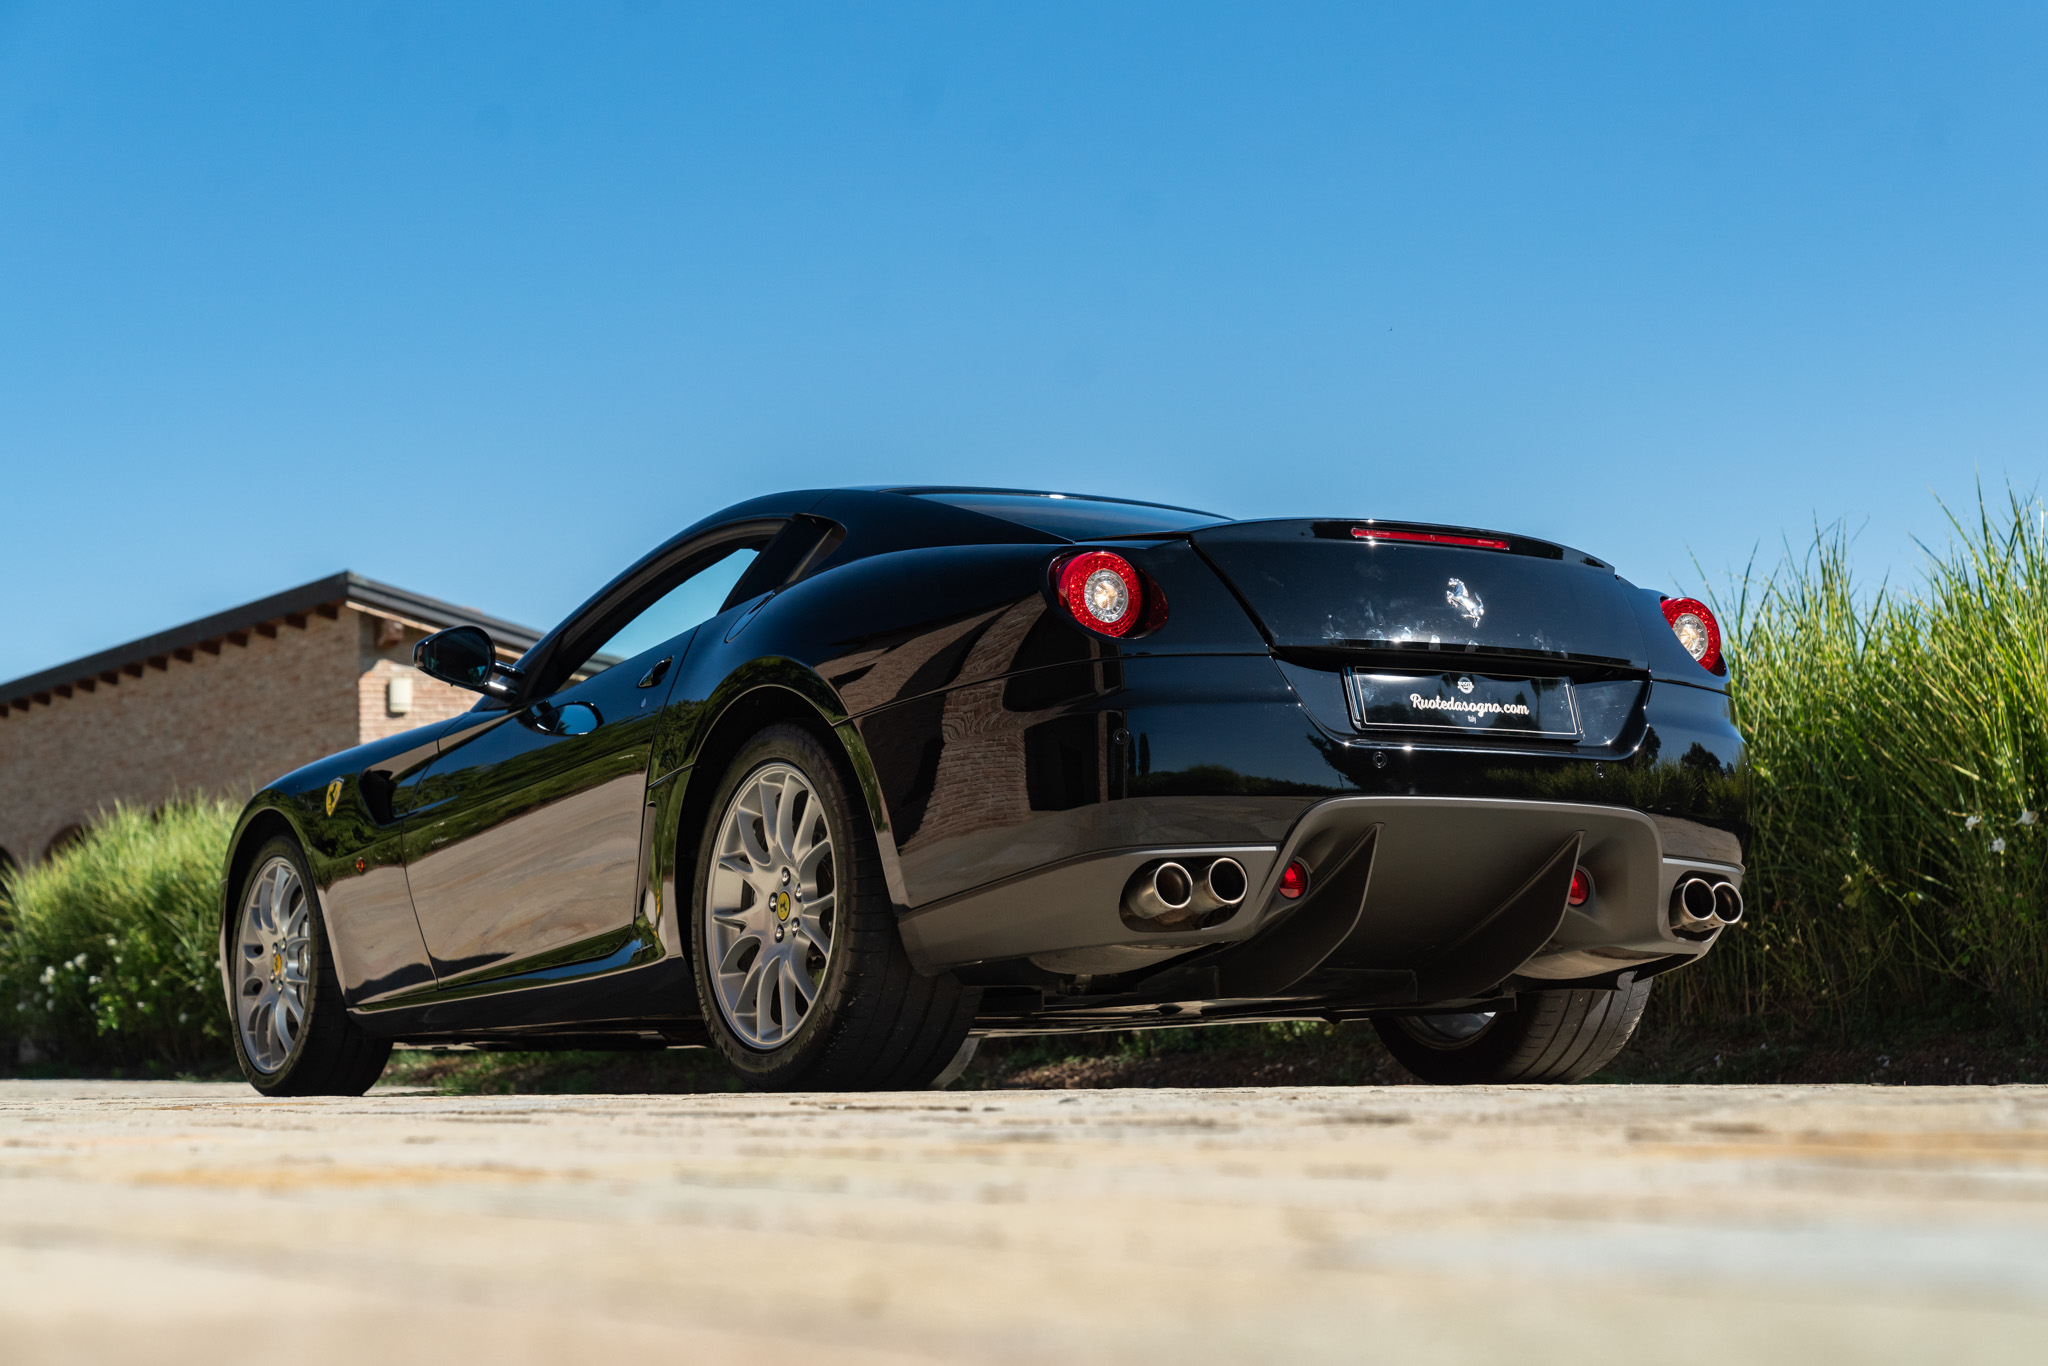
(1466, 601)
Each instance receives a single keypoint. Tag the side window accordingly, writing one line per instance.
(697, 598)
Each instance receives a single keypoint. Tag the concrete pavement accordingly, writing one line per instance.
(189, 1223)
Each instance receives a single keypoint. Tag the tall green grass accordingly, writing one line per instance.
(109, 956)
(1899, 758)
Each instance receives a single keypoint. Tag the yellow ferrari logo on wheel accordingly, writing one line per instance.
(780, 902)
(333, 795)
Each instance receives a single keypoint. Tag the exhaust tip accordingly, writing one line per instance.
(1173, 885)
(1727, 904)
(1226, 882)
(1163, 891)
(1692, 904)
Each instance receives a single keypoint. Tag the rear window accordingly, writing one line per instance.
(1076, 518)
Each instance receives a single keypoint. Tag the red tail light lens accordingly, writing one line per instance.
(1373, 533)
(1696, 630)
(1103, 592)
(1294, 879)
(1582, 888)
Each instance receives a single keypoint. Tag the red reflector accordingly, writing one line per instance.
(1371, 533)
(1582, 888)
(1294, 880)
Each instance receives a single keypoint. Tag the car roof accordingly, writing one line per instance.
(930, 489)
(1072, 516)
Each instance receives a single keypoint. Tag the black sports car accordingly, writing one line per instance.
(838, 782)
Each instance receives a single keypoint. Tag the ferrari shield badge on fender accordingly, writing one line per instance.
(1466, 601)
(333, 795)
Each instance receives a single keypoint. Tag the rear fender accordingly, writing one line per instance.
(697, 741)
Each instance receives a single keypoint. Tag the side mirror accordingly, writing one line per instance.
(465, 657)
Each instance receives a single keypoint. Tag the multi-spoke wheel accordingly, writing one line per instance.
(271, 958)
(1548, 1036)
(768, 936)
(293, 1035)
(800, 970)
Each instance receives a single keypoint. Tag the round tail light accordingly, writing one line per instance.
(1103, 592)
(1582, 888)
(1696, 630)
(1294, 879)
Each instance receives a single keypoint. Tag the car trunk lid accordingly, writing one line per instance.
(1322, 586)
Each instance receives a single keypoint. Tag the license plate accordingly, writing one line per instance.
(1535, 707)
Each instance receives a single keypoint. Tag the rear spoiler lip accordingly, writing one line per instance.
(1332, 529)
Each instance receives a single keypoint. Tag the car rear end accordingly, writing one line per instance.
(1497, 699)
(1438, 761)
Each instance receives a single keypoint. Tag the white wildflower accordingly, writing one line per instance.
(2028, 818)
(1998, 846)
(50, 975)
(93, 980)
(112, 942)
(1973, 822)
(79, 962)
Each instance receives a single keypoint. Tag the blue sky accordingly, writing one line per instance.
(485, 300)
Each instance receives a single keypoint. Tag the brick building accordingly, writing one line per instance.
(220, 705)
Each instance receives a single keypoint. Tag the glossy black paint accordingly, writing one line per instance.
(503, 872)
(523, 838)
(1315, 586)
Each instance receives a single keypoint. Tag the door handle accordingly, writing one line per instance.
(658, 672)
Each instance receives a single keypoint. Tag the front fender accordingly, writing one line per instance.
(352, 850)
(268, 813)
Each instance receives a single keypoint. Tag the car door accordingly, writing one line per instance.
(524, 838)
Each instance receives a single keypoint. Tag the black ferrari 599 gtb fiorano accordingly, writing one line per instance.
(837, 782)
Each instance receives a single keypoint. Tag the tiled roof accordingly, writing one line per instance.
(324, 597)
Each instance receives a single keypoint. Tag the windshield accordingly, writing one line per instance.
(1076, 518)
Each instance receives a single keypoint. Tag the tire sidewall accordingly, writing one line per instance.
(1552, 1036)
(1479, 1058)
(280, 1081)
(853, 841)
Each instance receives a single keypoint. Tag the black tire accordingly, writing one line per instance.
(1550, 1036)
(331, 1055)
(875, 1022)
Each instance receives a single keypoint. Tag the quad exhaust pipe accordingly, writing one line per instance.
(1171, 893)
(1700, 904)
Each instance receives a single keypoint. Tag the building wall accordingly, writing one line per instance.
(222, 723)
(384, 653)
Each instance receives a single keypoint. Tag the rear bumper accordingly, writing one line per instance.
(997, 780)
(1424, 898)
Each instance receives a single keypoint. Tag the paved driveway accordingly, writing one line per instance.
(177, 1223)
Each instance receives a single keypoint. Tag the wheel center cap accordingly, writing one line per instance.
(277, 963)
(780, 901)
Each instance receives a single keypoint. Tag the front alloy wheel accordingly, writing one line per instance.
(272, 955)
(292, 1031)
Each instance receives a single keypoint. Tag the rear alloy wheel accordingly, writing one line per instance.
(768, 935)
(800, 971)
(1550, 1036)
(292, 1032)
